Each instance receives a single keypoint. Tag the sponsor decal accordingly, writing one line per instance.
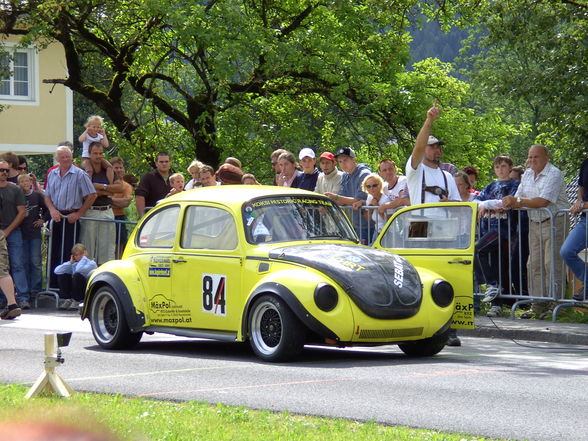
(353, 266)
(160, 266)
(167, 311)
(463, 314)
(398, 271)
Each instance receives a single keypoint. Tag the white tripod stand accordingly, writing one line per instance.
(50, 381)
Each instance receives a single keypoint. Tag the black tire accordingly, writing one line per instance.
(426, 347)
(275, 333)
(109, 323)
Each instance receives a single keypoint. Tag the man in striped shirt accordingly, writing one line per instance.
(68, 196)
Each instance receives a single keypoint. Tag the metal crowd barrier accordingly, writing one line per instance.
(556, 279)
(515, 262)
(63, 252)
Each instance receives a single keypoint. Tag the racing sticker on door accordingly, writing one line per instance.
(214, 287)
(160, 266)
(165, 311)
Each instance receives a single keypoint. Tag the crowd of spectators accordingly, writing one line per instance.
(87, 205)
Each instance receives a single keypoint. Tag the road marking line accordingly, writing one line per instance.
(250, 386)
(139, 374)
(448, 372)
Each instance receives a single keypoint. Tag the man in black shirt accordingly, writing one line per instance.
(154, 185)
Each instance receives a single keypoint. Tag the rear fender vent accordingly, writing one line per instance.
(390, 333)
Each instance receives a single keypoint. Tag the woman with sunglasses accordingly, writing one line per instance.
(373, 185)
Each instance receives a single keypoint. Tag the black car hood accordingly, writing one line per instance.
(382, 284)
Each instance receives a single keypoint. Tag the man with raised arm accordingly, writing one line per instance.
(426, 181)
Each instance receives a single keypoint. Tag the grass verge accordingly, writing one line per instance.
(115, 417)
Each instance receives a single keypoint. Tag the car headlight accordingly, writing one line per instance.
(325, 297)
(442, 293)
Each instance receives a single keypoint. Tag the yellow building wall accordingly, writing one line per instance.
(37, 127)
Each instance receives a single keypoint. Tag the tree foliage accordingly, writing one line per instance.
(531, 59)
(217, 77)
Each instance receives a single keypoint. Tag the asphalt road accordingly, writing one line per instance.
(493, 388)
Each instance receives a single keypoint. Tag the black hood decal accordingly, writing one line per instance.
(382, 284)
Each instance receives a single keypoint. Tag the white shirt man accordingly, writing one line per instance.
(426, 181)
(542, 186)
(330, 178)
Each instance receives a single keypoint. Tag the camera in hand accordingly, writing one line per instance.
(437, 191)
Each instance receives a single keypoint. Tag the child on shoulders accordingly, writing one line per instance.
(94, 133)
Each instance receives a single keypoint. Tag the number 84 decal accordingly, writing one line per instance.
(213, 294)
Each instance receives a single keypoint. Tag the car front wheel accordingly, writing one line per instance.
(426, 347)
(275, 334)
(109, 324)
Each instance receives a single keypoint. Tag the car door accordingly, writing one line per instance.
(207, 270)
(156, 239)
(441, 238)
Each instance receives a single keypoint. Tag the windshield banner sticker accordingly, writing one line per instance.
(311, 201)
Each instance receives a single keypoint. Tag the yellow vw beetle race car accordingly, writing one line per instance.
(282, 268)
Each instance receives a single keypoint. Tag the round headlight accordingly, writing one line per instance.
(442, 293)
(326, 297)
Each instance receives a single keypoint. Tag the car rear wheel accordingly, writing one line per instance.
(426, 347)
(109, 324)
(275, 334)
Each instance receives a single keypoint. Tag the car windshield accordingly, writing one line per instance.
(292, 218)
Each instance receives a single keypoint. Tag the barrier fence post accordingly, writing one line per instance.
(56, 256)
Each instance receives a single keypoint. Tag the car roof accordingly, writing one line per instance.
(234, 194)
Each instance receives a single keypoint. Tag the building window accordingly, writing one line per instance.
(17, 74)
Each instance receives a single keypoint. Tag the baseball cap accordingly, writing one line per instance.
(347, 151)
(327, 155)
(432, 140)
(306, 151)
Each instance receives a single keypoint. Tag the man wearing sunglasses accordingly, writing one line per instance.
(12, 159)
(12, 213)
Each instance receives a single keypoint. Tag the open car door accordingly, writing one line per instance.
(439, 237)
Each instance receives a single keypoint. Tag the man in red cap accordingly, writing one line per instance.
(330, 178)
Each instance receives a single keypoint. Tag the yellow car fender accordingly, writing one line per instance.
(123, 278)
(297, 286)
